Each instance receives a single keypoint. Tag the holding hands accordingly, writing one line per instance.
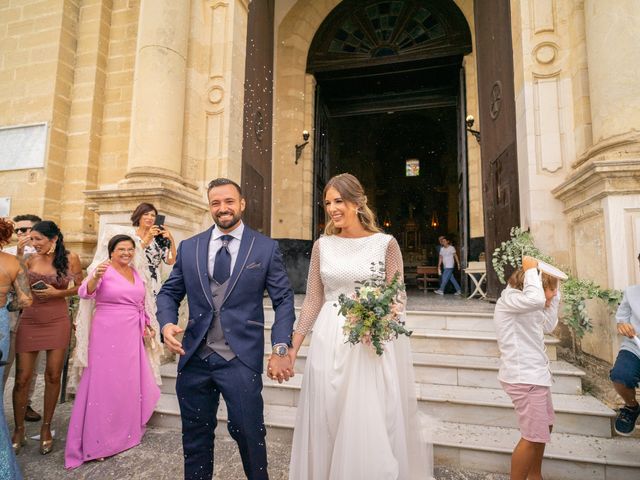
(280, 368)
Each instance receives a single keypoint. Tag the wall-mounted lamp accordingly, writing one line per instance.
(300, 147)
(470, 121)
(434, 220)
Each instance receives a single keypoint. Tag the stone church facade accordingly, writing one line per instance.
(148, 100)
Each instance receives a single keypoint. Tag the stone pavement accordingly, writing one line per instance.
(159, 456)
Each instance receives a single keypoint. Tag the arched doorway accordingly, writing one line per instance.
(390, 108)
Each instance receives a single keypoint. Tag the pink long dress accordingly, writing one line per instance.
(117, 392)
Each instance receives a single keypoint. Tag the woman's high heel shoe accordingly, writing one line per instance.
(18, 445)
(45, 445)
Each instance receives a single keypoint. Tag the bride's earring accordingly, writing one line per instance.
(52, 249)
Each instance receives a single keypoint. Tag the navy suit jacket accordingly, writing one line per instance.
(259, 266)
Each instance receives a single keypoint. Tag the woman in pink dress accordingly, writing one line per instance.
(117, 392)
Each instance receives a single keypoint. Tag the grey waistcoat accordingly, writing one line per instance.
(215, 341)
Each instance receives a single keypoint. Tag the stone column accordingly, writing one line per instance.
(157, 113)
(154, 169)
(601, 195)
(613, 57)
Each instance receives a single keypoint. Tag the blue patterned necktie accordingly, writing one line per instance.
(222, 265)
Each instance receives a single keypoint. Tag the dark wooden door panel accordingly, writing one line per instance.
(497, 114)
(253, 187)
(321, 162)
(463, 179)
(258, 107)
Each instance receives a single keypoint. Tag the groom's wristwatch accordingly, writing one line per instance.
(281, 349)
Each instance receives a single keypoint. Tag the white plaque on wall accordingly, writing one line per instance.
(5, 206)
(23, 146)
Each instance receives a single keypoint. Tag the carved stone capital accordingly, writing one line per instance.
(179, 201)
(625, 145)
(146, 175)
(595, 180)
(185, 209)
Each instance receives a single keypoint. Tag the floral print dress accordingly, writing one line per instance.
(155, 256)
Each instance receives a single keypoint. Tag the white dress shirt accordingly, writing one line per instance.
(521, 320)
(629, 312)
(215, 243)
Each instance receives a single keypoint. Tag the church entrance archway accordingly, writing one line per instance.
(390, 108)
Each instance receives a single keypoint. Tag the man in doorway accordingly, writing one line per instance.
(625, 373)
(22, 227)
(224, 272)
(446, 261)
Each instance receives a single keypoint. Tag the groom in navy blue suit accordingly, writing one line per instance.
(224, 272)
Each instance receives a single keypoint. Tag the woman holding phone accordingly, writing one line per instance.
(157, 241)
(45, 325)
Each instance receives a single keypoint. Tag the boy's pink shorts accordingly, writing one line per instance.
(534, 410)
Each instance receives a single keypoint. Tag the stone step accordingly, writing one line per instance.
(469, 371)
(482, 372)
(464, 321)
(567, 457)
(474, 447)
(440, 369)
(453, 342)
(577, 414)
(278, 419)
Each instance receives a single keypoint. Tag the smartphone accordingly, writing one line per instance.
(39, 285)
(159, 221)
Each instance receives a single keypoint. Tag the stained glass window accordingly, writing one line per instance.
(412, 167)
(386, 27)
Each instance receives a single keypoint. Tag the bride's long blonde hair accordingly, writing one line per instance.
(350, 189)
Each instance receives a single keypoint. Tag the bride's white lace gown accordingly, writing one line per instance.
(357, 416)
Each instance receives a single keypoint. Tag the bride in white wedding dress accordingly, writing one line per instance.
(357, 416)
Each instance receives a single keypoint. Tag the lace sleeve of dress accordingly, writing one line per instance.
(393, 265)
(314, 298)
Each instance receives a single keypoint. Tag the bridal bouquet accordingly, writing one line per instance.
(372, 311)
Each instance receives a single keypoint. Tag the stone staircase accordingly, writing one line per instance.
(456, 363)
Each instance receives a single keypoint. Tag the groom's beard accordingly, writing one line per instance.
(227, 224)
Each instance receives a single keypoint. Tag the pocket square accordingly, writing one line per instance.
(253, 265)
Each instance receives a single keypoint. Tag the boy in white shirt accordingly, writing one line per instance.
(526, 310)
(625, 373)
